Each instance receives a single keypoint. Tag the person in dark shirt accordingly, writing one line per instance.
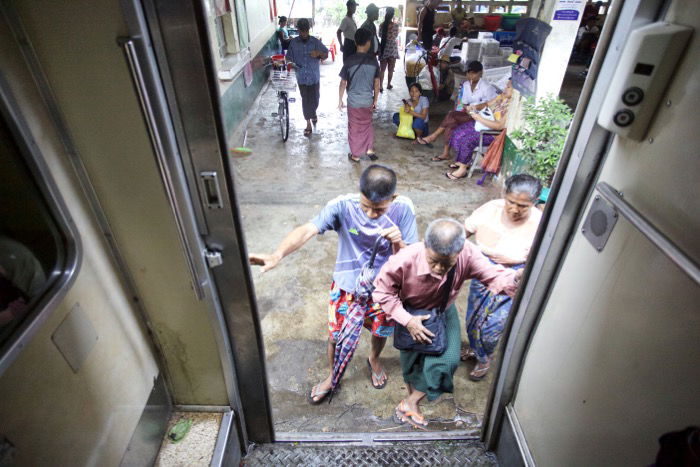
(372, 16)
(426, 23)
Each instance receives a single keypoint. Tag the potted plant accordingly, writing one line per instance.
(540, 139)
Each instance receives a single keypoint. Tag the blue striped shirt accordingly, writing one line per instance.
(299, 52)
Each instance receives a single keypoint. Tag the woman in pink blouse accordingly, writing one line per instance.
(504, 230)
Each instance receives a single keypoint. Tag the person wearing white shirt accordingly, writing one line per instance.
(473, 96)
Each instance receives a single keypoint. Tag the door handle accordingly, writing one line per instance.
(161, 157)
(211, 189)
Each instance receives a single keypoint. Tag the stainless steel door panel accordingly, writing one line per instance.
(179, 36)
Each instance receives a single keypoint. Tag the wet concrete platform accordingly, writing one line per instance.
(282, 185)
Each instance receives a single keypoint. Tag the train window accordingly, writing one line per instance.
(38, 248)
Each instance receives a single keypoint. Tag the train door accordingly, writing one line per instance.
(116, 103)
(602, 357)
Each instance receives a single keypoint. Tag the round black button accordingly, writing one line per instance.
(623, 118)
(633, 96)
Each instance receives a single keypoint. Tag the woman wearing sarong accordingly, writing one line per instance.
(419, 276)
(504, 230)
(465, 137)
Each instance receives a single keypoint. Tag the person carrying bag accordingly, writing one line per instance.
(435, 324)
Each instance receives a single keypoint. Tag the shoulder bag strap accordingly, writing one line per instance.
(448, 288)
(364, 59)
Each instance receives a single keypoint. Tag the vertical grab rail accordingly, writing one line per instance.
(654, 235)
(156, 140)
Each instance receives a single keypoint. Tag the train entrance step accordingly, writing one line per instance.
(405, 453)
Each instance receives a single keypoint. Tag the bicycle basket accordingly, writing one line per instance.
(283, 80)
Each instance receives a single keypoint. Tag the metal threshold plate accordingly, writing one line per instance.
(394, 453)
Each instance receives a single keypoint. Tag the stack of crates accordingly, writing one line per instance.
(470, 51)
(489, 48)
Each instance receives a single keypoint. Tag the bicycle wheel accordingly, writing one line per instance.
(283, 114)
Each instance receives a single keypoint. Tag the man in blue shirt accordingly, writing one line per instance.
(358, 219)
(307, 53)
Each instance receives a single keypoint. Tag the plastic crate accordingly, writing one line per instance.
(497, 75)
(492, 61)
(506, 38)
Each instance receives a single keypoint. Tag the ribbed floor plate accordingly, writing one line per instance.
(405, 453)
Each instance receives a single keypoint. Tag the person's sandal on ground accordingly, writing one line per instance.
(454, 178)
(314, 392)
(372, 156)
(479, 371)
(353, 158)
(308, 131)
(439, 159)
(467, 354)
(377, 377)
(422, 141)
(414, 418)
(398, 416)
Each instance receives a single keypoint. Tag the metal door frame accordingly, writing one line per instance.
(583, 157)
(170, 59)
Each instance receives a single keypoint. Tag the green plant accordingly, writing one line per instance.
(540, 140)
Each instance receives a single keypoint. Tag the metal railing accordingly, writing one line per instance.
(661, 241)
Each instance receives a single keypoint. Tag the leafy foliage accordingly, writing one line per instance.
(541, 139)
(331, 14)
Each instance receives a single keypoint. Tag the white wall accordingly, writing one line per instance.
(614, 362)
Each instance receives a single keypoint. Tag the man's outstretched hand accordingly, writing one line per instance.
(266, 261)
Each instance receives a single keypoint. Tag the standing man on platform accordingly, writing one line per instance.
(347, 28)
(372, 16)
(307, 52)
(426, 24)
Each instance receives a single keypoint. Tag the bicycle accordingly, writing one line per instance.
(283, 80)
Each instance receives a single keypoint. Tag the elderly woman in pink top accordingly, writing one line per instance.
(417, 276)
(504, 230)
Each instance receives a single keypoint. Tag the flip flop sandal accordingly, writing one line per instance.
(352, 158)
(438, 159)
(377, 376)
(453, 178)
(314, 121)
(307, 132)
(423, 142)
(390, 86)
(397, 417)
(414, 418)
(478, 375)
(311, 394)
(372, 156)
(467, 354)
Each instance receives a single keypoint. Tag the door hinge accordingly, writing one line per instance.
(214, 258)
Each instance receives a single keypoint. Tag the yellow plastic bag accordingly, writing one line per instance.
(405, 125)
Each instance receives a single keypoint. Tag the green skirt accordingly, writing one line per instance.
(433, 374)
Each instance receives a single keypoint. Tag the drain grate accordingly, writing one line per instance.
(407, 453)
